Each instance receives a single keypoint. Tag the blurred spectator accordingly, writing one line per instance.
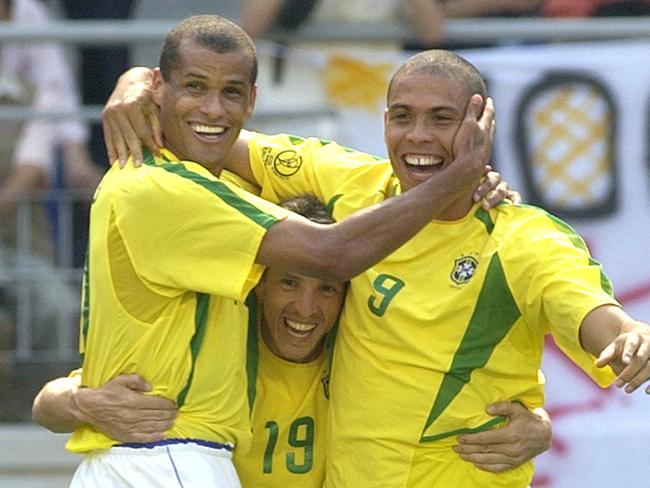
(595, 8)
(261, 16)
(453, 9)
(36, 75)
(99, 66)
(426, 17)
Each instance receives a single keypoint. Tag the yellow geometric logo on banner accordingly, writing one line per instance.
(569, 132)
(352, 82)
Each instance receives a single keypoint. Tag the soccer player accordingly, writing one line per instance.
(174, 251)
(291, 316)
(455, 318)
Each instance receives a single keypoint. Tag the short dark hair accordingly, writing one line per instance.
(439, 62)
(309, 206)
(211, 31)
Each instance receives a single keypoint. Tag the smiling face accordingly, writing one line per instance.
(205, 102)
(296, 313)
(423, 115)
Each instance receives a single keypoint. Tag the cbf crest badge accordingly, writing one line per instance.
(464, 269)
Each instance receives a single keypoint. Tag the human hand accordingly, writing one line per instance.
(473, 140)
(629, 355)
(526, 435)
(130, 118)
(493, 190)
(122, 411)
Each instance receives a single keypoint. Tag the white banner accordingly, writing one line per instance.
(585, 107)
(573, 135)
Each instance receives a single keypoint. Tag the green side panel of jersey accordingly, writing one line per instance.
(200, 324)
(85, 305)
(252, 349)
(484, 217)
(578, 242)
(217, 188)
(495, 313)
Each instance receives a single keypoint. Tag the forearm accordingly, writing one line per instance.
(340, 251)
(601, 326)
(55, 408)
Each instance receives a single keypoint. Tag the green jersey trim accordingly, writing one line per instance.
(332, 202)
(494, 314)
(200, 323)
(252, 350)
(85, 305)
(481, 428)
(484, 217)
(217, 188)
(578, 242)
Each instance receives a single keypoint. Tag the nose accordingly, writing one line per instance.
(212, 105)
(306, 303)
(420, 132)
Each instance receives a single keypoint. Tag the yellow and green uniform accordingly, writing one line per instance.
(171, 258)
(452, 321)
(288, 415)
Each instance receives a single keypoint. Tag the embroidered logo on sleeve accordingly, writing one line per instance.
(287, 163)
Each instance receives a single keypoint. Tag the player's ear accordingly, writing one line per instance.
(251, 100)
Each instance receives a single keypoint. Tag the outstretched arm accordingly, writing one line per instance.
(130, 121)
(119, 409)
(618, 340)
(340, 251)
(526, 435)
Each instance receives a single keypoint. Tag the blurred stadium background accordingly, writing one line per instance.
(573, 104)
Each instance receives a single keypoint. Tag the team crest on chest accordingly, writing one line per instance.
(464, 269)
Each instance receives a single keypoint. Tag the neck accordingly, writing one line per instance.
(457, 209)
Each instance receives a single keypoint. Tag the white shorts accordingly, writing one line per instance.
(172, 463)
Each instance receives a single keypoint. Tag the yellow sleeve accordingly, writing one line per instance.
(287, 166)
(187, 230)
(565, 284)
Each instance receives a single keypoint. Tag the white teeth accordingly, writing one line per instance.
(208, 129)
(420, 160)
(299, 326)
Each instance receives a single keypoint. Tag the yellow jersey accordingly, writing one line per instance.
(171, 258)
(452, 321)
(288, 414)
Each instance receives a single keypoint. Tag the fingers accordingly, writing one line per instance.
(488, 461)
(134, 382)
(630, 347)
(157, 132)
(474, 109)
(507, 409)
(116, 131)
(607, 355)
(111, 149)
(637, 371)
(145, 431)
(490, 182)
(514, 196)
(633, 349)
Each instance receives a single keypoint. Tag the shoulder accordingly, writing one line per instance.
(529, 229)
(283, 147)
